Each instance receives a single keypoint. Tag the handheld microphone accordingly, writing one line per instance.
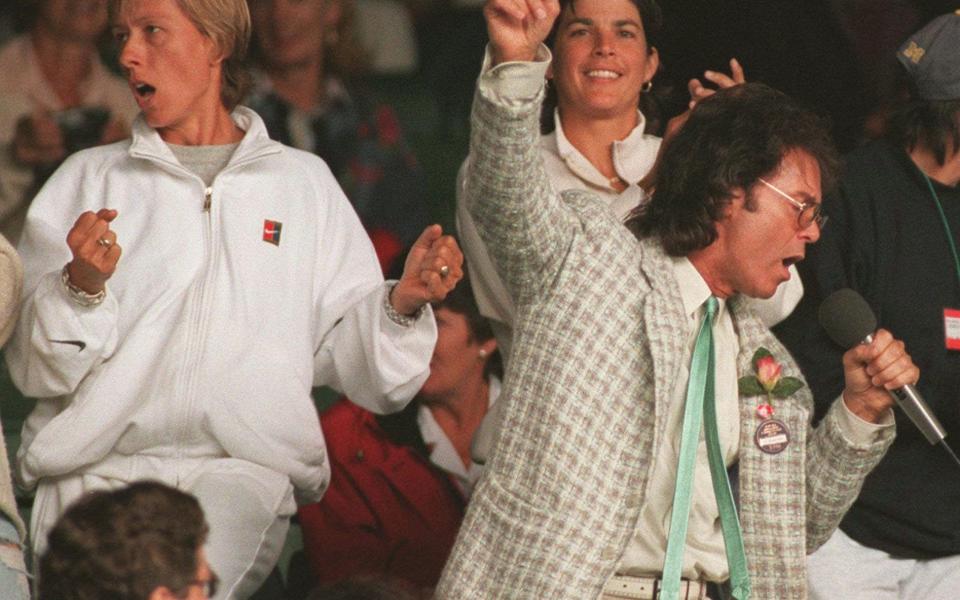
(848, 320)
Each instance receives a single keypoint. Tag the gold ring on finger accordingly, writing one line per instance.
(444, 271)
(105, 242)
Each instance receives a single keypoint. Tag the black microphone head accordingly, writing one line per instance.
(847, 317)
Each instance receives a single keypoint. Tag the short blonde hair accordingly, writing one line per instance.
(227, 24)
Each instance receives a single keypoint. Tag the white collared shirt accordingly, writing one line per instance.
(704, 555)
(442, 452)
(633, 157)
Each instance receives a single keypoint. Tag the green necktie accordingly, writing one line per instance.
(700, 398)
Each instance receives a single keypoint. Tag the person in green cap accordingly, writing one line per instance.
(893, 231)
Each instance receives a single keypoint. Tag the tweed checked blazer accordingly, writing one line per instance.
(599, 341)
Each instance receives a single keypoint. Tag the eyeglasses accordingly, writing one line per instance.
(810, 212)
(208, 586)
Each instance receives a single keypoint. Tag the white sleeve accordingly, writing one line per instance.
(858, 431)
(515, 82)
(57, 342)
(379, 364)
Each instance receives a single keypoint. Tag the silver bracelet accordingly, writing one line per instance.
(393, 315)
(78, 295)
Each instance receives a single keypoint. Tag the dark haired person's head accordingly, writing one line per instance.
(933, 125)
(465, 346)
(730, 141)
(741, 183)
(930, 120)
(603, 57)
(142, 542)
(461, 331)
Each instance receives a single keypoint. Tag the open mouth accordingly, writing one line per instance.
(144, 90)
(791, 260)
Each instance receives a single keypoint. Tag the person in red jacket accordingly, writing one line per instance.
(400, 483)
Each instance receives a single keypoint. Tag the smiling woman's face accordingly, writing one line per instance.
(601, 59)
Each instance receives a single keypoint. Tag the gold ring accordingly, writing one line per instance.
(105, 242)
(444, 271)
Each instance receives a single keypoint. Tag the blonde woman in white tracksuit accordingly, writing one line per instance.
(246, 279)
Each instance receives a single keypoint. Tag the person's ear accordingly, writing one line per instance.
(487, 348)
(214, 52)
(653, 63)
(737, 202)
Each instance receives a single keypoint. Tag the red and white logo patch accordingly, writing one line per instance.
(271, 231)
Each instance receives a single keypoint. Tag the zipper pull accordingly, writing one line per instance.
(207, 197)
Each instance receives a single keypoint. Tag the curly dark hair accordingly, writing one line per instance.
(731, 139)
(123, 544)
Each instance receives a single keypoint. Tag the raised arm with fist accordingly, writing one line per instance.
(95, 250)
(517, 27)
(433, 267)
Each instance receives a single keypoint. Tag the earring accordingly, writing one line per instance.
(645, 88)
(482, 353)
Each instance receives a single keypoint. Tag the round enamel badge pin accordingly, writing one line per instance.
(772, 436)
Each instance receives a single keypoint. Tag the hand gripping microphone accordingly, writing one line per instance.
(848, 320)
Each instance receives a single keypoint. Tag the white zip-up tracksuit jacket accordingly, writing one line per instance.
(210, 337)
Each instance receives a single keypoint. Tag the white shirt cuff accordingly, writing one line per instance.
(516, 82)
(856, 429)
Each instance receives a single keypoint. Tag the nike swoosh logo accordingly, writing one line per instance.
(77, 343)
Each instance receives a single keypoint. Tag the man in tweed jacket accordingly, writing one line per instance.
(600, 344)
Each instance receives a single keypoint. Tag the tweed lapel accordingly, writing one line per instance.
(750, 333)
(771, 486)
(665, 326)
(753, 334)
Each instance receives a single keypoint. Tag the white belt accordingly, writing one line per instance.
(648, 588)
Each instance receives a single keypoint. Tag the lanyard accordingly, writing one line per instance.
(946, 226)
